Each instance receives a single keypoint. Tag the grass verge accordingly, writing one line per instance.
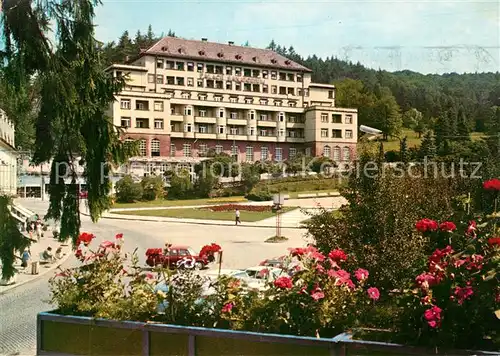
(205, 214)
(277, 239)
(187, 202)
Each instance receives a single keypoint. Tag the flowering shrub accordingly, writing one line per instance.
(233, 207)
(209, 250)
(455, 299)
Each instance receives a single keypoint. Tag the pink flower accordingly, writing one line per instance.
(317, 293)
(426, 300)
(228, 307)
(263, 272)
(426, 280)
(433, 316)
(373, 293)
(447, 226)
(283, 283)
(361, 274)
(338, 255)
(320, 269)
(492, 184)
(299, 251)
(350, 284)
(463, 294)
(425, 225)
(459, 263)
(150, 275)
(341, 277)
(471, 229)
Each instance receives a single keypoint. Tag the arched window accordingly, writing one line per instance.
(142, 147)
(336, 153)
(346, 154)
(326, 151)
(155, 147)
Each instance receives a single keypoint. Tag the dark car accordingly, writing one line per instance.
(177, 257)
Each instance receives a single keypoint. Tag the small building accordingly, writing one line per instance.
(8, 156)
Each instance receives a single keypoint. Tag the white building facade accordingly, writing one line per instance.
(8, 156)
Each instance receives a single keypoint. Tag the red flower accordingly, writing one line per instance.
(471, 229)
(350, 284)
(492, 184)
(85, 237)
(209, 249)
(447, 226)
(341, 277)
(283, 283)
(154, 252)
(373, 293)
(338, 255)
(317, 293)
(463, 293)
(361, 274)
(228, 307)
(425, 225)
(119, 236)
(433, 316)
(426, 300)
(494, 241)
(320, 269)
(426, 280)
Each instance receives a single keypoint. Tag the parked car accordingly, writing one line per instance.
(265, 273)
(177, 257)
(256, 278)
(276, 262)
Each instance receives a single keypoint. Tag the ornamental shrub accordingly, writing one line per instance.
(127, 191)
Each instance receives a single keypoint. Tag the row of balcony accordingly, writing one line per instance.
(236, 137)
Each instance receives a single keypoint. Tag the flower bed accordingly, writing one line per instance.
(233, 207)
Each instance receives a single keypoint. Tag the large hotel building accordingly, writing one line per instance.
(8, 156)
(185, 97)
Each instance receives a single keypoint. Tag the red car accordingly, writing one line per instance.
(178, 257)
(84, 195)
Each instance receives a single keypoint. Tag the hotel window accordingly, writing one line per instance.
(188, 128)
(281, 117)
(306, 92)
(326, 151)
(221, 113)
(233, 130)
(142, 147)
(159, 79)
(265, 88)
(218, 149)
(125, 104)
(277, 103)
(256, 88)
(187, 111)
(234, 151)
(247, 72)
(273, 75)
(263, 117)
(186, 95)
(155, 147)
(202, 97)
(151, 78)
(274, 89)
(141, 105)
(180, 65)
(324, 118)
(159, 63)
(324, 132)
(234, 115)
(190, 66)
(348, 119)
(217, 98)
(248, 101)
(307, 151)
(281, 132)
(251, 131)
(172, 150)
(336, 154)
(263, 101)
(346, 154)
(337, 118)
(292, 104)
(170, 65)
(221, 129)
(237, 71)
(202, 128)
(336, 133)
(229, 70)
(299, 92)
(202, 149)
(292, 153)
(264, 153)
(330, 94)
(159, 124)
(199, 83)
(233, 99)
(200, 67)
(348, 133)
(190, 82)
(158, 105)
(279, 154)
(249, 154)
(263, 132)
(265, 74)
(229, 85)
(170, 80)
(202, 113)
(251, 115)
(125, 122)
(186, 150)
(237, 86)
(141, 123)
(299, 77)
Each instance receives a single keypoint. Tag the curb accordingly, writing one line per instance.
(46, 271)
(196, 222)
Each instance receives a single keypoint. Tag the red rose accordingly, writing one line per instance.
(492, 184)
(283, 283)
(426, 225)
(447, 226)
(494, 241)
(338, 255)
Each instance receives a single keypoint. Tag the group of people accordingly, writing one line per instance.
(34, 227)
(46, 256)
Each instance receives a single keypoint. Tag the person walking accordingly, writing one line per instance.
(237, 217)
(25, 258)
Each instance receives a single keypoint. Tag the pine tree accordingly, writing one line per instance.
(442, 132)
(150, 37)
(428, 146)
(403, 149)
(463, 130)
(272, 45)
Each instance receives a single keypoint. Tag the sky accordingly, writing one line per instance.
(425, 36)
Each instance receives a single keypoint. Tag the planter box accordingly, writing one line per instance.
(72, 335)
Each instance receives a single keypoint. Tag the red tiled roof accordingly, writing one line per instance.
(218, 52)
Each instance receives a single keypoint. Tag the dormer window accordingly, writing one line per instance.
(164, 48)
(220, 54)
(274, 61)
(201, 53)
(287, 62)
(238, 56)
(254, 59)
(179, 50)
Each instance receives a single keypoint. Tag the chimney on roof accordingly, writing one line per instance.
(204, 39)
(230, 43)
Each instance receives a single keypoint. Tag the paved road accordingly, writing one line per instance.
(243, 247)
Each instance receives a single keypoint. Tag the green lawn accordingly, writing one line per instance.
(336, 214)
(204, 214)
(187, 202)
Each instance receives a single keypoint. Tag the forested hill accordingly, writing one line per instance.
(455, 104)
